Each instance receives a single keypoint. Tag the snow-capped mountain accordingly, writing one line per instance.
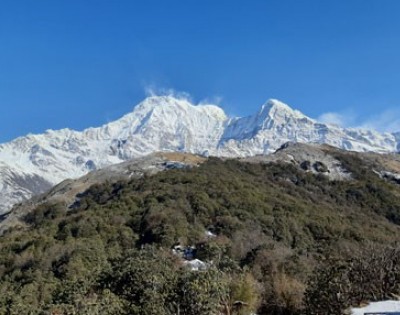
(32, 164)
(276, 123)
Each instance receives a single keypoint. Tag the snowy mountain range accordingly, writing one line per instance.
(32, 164)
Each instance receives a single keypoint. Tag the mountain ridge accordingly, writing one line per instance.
(33, 163)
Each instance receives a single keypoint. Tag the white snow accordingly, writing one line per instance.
(210, 234)
(377, 307)
(165, 123)
(195, 265)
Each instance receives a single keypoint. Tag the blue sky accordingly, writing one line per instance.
(81, 63)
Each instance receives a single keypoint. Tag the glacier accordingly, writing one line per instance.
(32, 164)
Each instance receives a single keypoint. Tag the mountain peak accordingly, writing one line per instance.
(276, 109)
(170, 103)
(155, 101)
(273, 102)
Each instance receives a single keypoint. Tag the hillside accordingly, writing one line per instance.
(260, 225)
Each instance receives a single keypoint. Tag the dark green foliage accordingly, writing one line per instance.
(145, 279)
(201, 293)
(272, 221)
(373, 275)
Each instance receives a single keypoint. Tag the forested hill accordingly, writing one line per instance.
(262, 231)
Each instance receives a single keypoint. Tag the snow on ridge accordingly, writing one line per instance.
(278, 108)
(166, 123)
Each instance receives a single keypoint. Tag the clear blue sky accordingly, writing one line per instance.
(82, 63)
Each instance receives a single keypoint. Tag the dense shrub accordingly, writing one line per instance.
(373, 275)
(272, 222)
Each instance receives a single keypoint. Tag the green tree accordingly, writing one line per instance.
(145, 279)
(201, 293)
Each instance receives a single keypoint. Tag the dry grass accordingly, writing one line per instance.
(288, 292)
(182, 157)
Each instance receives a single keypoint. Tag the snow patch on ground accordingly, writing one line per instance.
(378, 307)
(195, 265)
